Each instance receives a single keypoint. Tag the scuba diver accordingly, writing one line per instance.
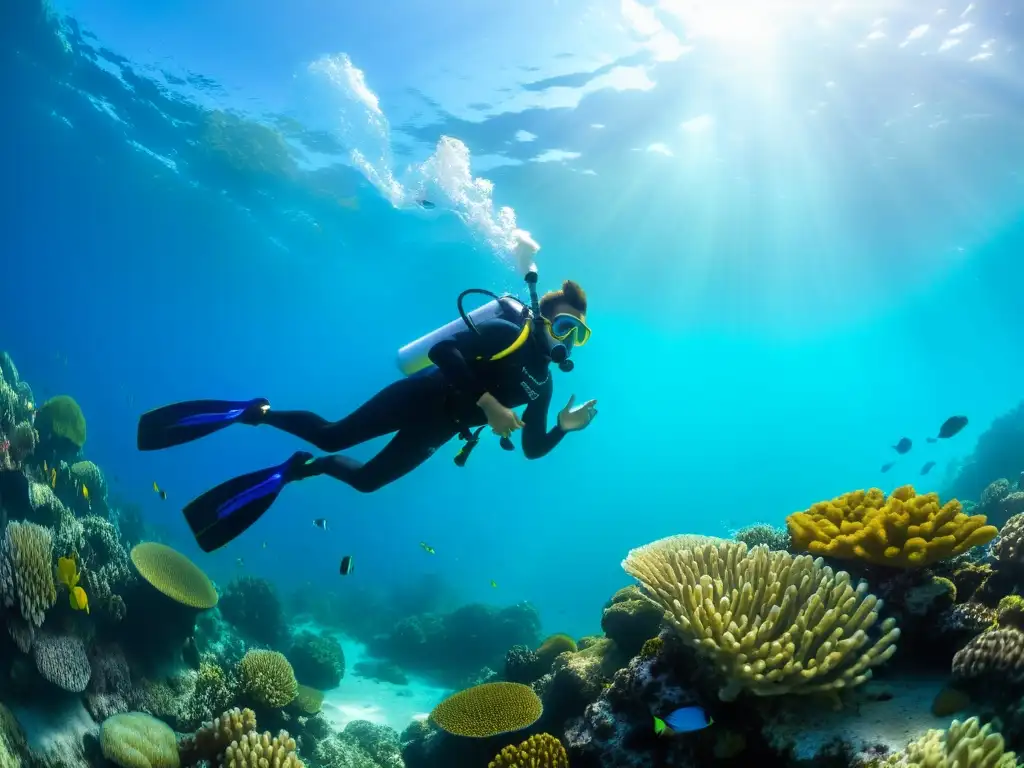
(460, 379)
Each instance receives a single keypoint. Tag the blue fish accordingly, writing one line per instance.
(683, 720)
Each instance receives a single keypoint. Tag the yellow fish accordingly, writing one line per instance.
(67, 574)
(427, 548)
(79, 600)
(494, 584)
(53, 478)
(85, 492)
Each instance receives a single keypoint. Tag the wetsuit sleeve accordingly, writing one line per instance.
(537, 439)
(452, 356)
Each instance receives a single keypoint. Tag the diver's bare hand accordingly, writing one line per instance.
(502, 421)
(574, 419)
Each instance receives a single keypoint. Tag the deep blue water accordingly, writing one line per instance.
(798, 248)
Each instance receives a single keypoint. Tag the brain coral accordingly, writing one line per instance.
(63, 661)
(1009, 547)
(61, 416)
(268, 678)
(540, 751)
(771, 622)
(905, 530)
(488, 709)
(261, 751)
(964, 745)
(174, 574)
(997, 654)
(26, 570)
(138, 740)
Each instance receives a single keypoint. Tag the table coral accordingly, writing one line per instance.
(771, 622)
(905, 530)
(488, 709)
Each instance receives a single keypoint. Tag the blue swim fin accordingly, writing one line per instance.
(225, 512)
(184, 422)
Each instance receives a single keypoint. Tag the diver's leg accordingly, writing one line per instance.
(407, 450)
(398, 405)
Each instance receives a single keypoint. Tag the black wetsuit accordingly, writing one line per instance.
(429, 409)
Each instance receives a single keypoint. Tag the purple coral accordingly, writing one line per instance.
(63, 661)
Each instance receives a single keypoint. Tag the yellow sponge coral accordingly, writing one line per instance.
(268, 678)
(488, 709)
(905, 530)
(540, 751)
(964, 745)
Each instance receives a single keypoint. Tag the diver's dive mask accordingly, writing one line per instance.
(562, 333)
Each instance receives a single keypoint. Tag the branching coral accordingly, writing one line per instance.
(267, 677)
(488, 709)
(63, 661)
(904, 530)
(261, 751)
(540, 751)
(772, 623)
(26, 571)
(963, 745)
(212, 739)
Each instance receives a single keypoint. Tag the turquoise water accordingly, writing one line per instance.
(798, 226)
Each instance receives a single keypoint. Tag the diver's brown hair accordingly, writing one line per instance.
(571, 293)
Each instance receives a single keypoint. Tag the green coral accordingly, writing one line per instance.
(268, 678)
(1011, 611)
(936, 593)
(554, 646)
(61, 417)
(138, 740)
(631, 620)
(318, 660)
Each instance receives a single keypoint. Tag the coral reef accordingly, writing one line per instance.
(770, 622)
(905, 530)
(488, 709)
(317, 660)
(251, 605)
(454, 646)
